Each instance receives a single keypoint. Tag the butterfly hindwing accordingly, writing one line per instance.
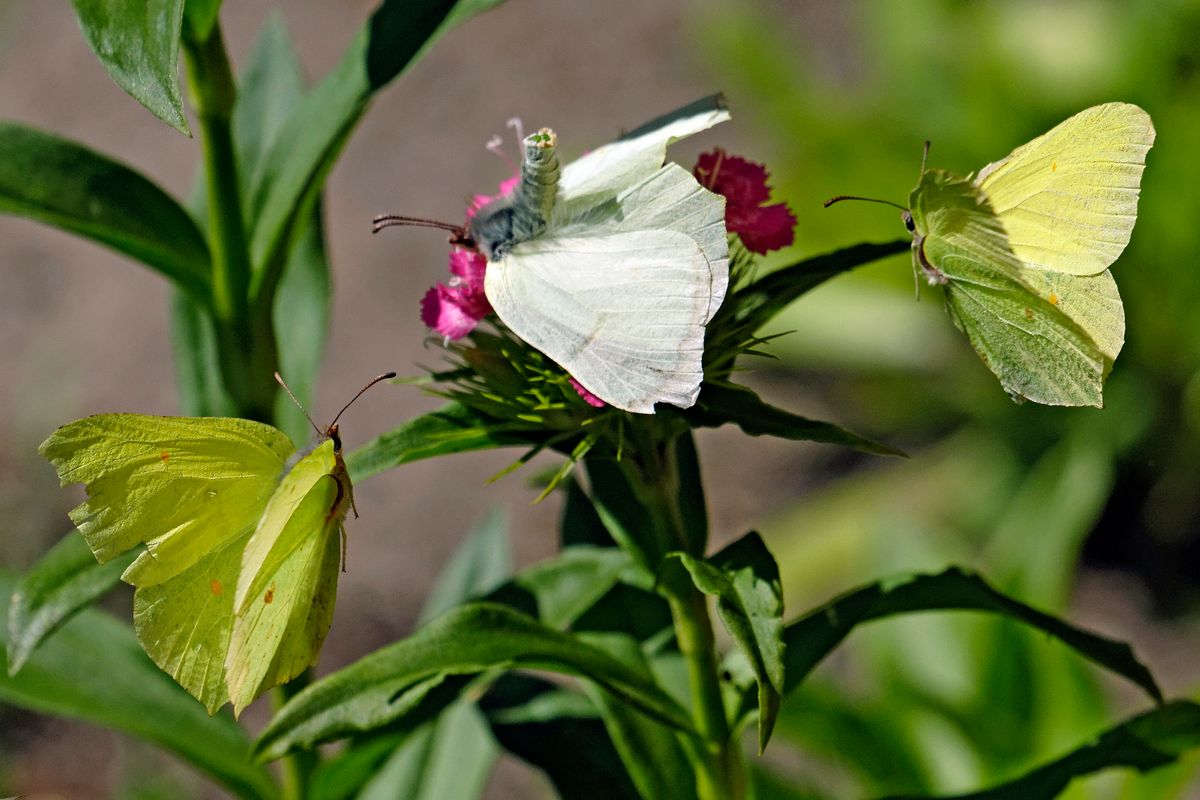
(1068, 199)
(622, 312)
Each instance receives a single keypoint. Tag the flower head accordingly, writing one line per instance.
(761, 228)
(454, 309)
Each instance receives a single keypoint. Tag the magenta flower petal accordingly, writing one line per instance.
(588, 397)
(764, 228)
(442, 311)
(744, 186)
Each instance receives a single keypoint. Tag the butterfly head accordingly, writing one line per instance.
(332, 432)
(907, 218)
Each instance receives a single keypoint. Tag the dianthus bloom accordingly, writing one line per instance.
(454, 309)
(761, 228)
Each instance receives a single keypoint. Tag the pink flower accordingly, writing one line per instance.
(454, 309)
(762, 228)
(589, 398)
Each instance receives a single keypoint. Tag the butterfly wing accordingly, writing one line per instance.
(1068, 199)
(288, 579)
(191, 490)
(622, 312)
(1032, 345)
(603, 173)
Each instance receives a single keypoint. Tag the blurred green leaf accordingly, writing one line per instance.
(200, 16)
(745, 580)
(556, 592)
(469, 639)
(580, 524)
(481, 563)
(138, 43)
(815, 635)
(560, 732)
(197, 371)
(451, 757)
(453, 428)
(720, 404)
(63, 184)
(1145, 742)
(64, 581)
(93, 669)
(623, 515)
(296, 165)
(650, 751)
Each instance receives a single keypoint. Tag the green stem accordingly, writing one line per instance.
(247, 360)
(655, 479)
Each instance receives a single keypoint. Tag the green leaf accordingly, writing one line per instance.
(1145, 742)
(93, 669)
(745, 580)
(297, 165)
(559, 732)
(138, 43)
(650, 751)
(580, 524)
(724, 403)
(481, 563)
(64, 581)
(812, 637)
(453, 428)
(559, 591)
(197, 371)
(63, 184)
(473, 638)
(200, 16)
(451, 757)
(623, 514)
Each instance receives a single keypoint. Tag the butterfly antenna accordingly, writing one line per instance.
(842, 197)
(286, 388)
(385, 376)
(924, 156)
(388, 220)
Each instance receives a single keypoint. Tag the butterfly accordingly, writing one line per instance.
(1023, 249)
(243, 536)
(612, 264)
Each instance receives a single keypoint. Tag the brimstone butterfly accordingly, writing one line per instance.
(236, 584)
(1023, 251)
(612, 265)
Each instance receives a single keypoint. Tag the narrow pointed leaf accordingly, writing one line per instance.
(454, 428)
(469, 639)
(297, 165)
(93, 669)
(745, 580)
(481, 563)
(201, 15)
(64, 581)
(1145, 742)
(814, 636)
(720, 404)
(138, 44)
(66, 185)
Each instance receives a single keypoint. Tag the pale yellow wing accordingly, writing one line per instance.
(1068, 199)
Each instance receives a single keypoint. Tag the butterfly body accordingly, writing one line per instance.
(1023, 251)
(507, 221)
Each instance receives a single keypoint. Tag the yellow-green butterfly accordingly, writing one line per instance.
(236, 584)
(1023, 251)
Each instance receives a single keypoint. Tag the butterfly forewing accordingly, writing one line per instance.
(1068, 199)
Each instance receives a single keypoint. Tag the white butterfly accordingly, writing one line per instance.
(614, 269)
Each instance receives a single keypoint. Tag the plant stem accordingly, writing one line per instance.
(247, 359)
(656, 482)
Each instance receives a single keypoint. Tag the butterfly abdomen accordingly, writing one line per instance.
(505, 222)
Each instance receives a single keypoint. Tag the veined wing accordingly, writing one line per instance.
(670, 199)
(623, 312)
(184, 487)
(604, 172)
(1068, 199)
(288, 579)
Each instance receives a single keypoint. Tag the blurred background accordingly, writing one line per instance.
(1094, 514)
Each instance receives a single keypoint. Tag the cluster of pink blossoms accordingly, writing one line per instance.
(453, 309)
